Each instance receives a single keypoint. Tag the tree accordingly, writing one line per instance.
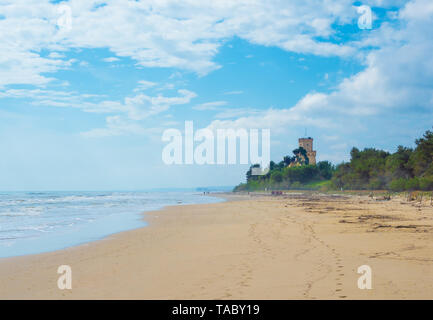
(421, 160)
(277, 176)
(301, 155)
(397, 164)
(288, 160)
(405, 169)
(326, 169)
(398, 184)
(272, 165)
(249, 174)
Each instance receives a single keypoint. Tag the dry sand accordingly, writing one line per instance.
(305, 246)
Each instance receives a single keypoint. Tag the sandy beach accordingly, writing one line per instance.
(299, 246)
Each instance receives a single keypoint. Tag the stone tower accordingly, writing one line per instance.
(307, 144)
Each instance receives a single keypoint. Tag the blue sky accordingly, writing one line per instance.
(83, 105)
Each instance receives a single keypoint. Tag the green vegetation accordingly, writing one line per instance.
(301, 175)
(406, 169)
(370, 169)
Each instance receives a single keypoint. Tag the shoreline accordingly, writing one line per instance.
(139, 222)
(303, 246)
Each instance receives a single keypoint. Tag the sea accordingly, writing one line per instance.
(36, 222)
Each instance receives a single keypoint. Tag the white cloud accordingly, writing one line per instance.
(210, 105)
(22, 67)
(236, 112)
(184, 35)
(128, 113)
(56, 55)
(187, 35)
(144, 85)
(115, 126)
(135, 109)
(278, 120)
(142, 106)
(111, 59)
(395, 81)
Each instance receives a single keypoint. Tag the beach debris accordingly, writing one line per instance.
(277, 193)
(412, 196)
(384, 198)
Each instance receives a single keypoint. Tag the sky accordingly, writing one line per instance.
(87, 88)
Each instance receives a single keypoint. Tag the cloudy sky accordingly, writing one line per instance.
(88, 87)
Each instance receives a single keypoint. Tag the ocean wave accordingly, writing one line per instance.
(36, 222)
(36, 211)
